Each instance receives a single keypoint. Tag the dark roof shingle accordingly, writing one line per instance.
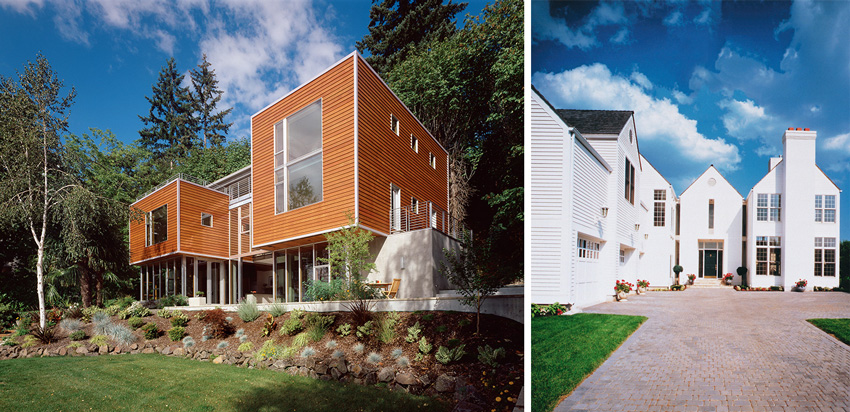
(596, 121)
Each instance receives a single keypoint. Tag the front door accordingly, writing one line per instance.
(710, 265)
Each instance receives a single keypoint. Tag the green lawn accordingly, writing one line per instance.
(566, 349)
(160, 383)
(840, 328)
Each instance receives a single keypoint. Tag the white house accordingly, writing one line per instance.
(599, 211)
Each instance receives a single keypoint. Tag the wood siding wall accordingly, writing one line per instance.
(385, 158)
(195, 238)
(336, 89)
(138, 250)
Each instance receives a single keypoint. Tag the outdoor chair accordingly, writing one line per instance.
(393, 290)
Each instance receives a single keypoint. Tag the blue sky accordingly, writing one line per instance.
(710, 82)
(111, 51)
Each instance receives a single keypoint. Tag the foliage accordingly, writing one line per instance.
(246, 347)
(427, 317)
(176, 333)
(248, 310)
(331, 344)
(11, 341)
(445, 355)
(623, 286)
(361, 309)
(727, 276)
(344, 329)
(645, 283)
(169, 130)
(29, 341)
(402, 362)
(545, 310)
(268, 351)
(217, 324)
(136, 309)
(277, 309)
(135, 322)
(46, 334)
(453, 342)
(99, 340)
(374, 358)
(101, 322)
(368, 328)
(338, 354)
(123, 302)
(742, 272)
(308, 352)
(397, 352)
(349, 259)
(317, 290)
(173, 300)
(801, 283)
(300, 340)
(424, 346)
(188, 342)
(165, 313)
(291, 326)
(71, 325)
(441, 329)
(317, 325)
(677, 269)
(223, 344)
(840, 328)
(490, 356)
(204, 96)
(179, 319)
(74, 312)
(844, 265)
(77, 335)
(358, 348)
(120, 334)
(413, 333)
(9, 308)
(386, 326)
(151, 331)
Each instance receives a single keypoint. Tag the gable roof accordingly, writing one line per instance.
(596, 121)
(719, 174)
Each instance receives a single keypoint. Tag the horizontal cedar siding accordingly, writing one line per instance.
(336, 89)
(388, 159)
(194, 237)
(138, 251)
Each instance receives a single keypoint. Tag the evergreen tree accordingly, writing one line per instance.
(398, 27)
(169, 132)
(205, 96)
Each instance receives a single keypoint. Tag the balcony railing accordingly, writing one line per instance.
(181, 176)
(428, 215)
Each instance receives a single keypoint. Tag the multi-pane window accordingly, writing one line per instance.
(711, 214)
(414, 143)
(394, 124)
(206, 219)
(825, 208)
(825, 256)
(768, 207)
(660, 196)
(156, 225)
(629, 187)
(245, 225)
(298, 159)
(622, 256)
(588, 249)
(768, 255)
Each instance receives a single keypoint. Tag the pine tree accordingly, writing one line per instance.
(398, 27)
(169, 134)
(205, 96)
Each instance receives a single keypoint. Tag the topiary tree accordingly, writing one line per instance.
(742, 272)
(677, 269)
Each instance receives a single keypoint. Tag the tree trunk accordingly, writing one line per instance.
(39, 272)
(85, 284)
(98, 287)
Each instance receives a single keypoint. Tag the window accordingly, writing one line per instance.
(630, 182)
(394, 124)
(156, 226)
(298, 159)
(711, 213)
(206, 219)
(768, 255)
(432, 160)
(660, 196)
(414, 143)
(771, 211)
(414, 205)
(245, 226)
(825, 256)
(825, 208)
(622, 256)
(588, 249)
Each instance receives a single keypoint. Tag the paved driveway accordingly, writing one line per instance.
(721, 350)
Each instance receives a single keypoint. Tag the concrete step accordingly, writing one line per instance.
(710, 283)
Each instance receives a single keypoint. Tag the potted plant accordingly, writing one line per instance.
(623, 288)
(800, 285)
(677, 269)
(742, 272)
(691, 278)
(641, 286)
(727, 278)
(198, 300)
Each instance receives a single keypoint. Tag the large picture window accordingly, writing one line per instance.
(156, 226)
(298, 159)
(825, 256)
(768, 207)
(825, 208)
(768, 255)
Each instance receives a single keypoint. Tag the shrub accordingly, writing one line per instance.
(402, 362)
(269, 325)
(453, 342)
(151, 331)
(77, 335)
(338, 354)
(323, 291)
(490, 356)
(173, 300)
(300, 340)
(223, 344)
(100, 317)
(10, 341)
(112, 310)
(428, 317)
(308, 352)
(464, 322)
(217, 325)
(88, 313)
(246, 347)
(71, 325)
(120, 334)
(135, 322)
(47, 334)
(291, 326)
(397, 352)
(136, 309)
(374, 358)
(318, 325)
(229, 319)
(74, 345)
(99, 340)
(29, 341)
(413, 333)
(358, 348)
(101, 323)
(424, 346)
(188, 342)
(74, 312)
(240, 332)
(179, 319)
(123, 302)
(176, 333)
(419, 357)
(248, 310)
(344, 329)
(268, 351)
(165, 313)
(366, 330)
(277, 309)
(445, 355)
(386, 327)
(9, 308)
(331, 344)
(243, 338)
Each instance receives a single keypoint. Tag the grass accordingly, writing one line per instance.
(840, 328)
(567, 349)
(156, 382)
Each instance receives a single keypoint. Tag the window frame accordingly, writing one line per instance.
(395, 125)
(414, 143)
(432, 160)
(659, 218)
(587, 249)
(711, 214)
(629, 186)
(767, 247)
(150, 223)
(206, 215)
(283, 169)
(769, 207)
(823, 264)
(823, 212)
(414, 205)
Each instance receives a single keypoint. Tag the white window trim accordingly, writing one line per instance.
(395, 125)
(287, 162)
(414, 143)
(149, 226)
(432, 160)
(203, 215)
(823, 209)
(821, 244)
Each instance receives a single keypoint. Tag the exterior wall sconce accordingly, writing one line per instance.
(637, 227)
(646, 235)
(604, 212)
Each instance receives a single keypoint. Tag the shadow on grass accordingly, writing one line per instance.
(315, 395)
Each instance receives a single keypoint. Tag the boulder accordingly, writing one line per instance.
(406, 378)
(82, 350)
(134, 346)
(103, 350)
(63, 351)
(148, 350)
(321, 368)
(166, 350)
(218, 360)
(386, 374)
(178, 352)
(356, 370)
(445, 383)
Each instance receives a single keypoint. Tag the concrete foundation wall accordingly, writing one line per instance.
(414, 257)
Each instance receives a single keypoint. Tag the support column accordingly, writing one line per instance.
(222, 296)
(141, 282)
(274, 276)
(239, 293)
(209, 283)
(183, 275)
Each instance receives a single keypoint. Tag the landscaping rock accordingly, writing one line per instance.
(321, 368)
(371, 378)
(218, 360)
(336, 374)
(103, 350)
(93, 348)
(179, 352)
(339, 364)
(63, 351)
(425, 379)
(356, 370)
(406, 378)
(148, 350)
(386, 374)
(445, 383)
(134, 346)
(166, 350)
(82, 350)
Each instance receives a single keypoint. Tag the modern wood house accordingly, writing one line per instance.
(341, 144)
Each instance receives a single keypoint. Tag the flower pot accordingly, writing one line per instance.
(621, 296)
(800, 288)
(641, 290)
(198, 301)
(729, 281)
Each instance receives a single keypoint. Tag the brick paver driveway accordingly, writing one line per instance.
(721, 350)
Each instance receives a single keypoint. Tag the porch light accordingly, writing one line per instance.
(604, 212)
(646, 235)
(637, 227)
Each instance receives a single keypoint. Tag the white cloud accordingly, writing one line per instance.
(703, 18)
(745, 120)
(621, 37)
(547, 27)
(595, 87)
(674, 19)
(641, 80)
(839, 142)
(682, 98)
(22, 6)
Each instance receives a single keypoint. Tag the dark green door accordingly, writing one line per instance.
(710, 266)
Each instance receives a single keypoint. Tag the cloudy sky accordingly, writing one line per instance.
(111, 51)
(710, 82)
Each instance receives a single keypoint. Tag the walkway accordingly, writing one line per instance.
(721, 350)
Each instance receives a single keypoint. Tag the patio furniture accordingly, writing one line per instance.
(393, 291)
